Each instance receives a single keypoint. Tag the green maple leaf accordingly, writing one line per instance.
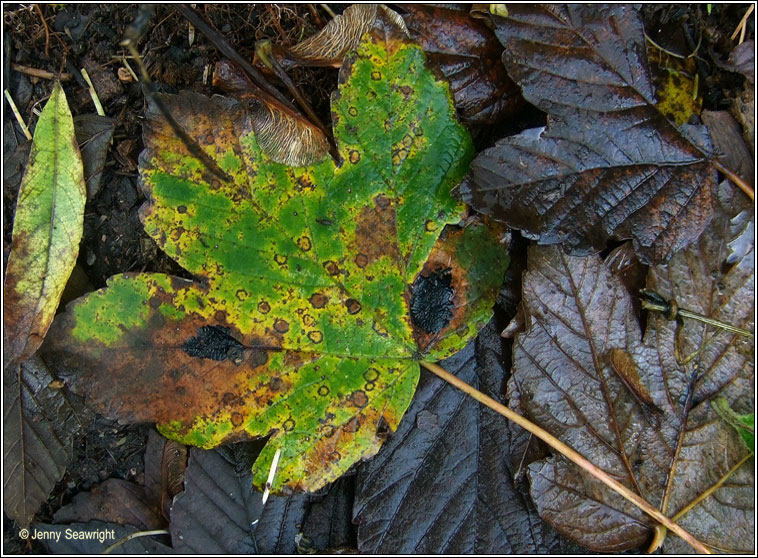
(299, 322)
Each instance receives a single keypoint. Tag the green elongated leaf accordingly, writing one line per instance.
(46, 231)
(300, 324)
(743, 424)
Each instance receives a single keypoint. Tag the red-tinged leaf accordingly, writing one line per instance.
(609, 163)
(578, 316)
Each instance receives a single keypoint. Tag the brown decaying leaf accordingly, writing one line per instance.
(93, 134)
(577, 312)
(40, 423)
(466, 53)
(173, 465)
(609, 163)
(730, 145)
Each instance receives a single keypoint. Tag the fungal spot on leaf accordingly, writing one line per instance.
(323, 391)
(361, 260)
(308, 320)
(331, 267)
(430, 226)
(289, 425)
(280, 259)
(304, 243)
(354, 156)
(316, 336)
(325, 222)
(380, 329)
(376, 75)
(215, 343)
(352, 111)
(275, 384)
(334, 457)
(318, 300)
(282, 326)
(264, 307)
(237, 419)
(359, 398)
(353, 306)
(182, 209)
(432, 301)
(371, 375)
(242, 294)
(327, 430)
(369, 386)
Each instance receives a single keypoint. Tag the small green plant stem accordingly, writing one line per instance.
(569, 453)
(136, 535)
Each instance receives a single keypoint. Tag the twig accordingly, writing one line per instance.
(18, 115)
(36, 72)
(227, 50)
(653, 301)
(93, 93)
(736, 179)
(328, 10)
(47, 30)
(660, 533)
(742, 26)
(136, 535)
(569, 453)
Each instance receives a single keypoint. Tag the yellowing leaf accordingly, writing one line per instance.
(46, 231)
(299, 324)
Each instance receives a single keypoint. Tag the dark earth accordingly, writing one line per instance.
(48, 40)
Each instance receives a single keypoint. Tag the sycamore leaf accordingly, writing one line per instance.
(301, 323)
(46, 231)
(651, 426)
(609, 163)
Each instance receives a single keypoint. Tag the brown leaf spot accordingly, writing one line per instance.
(242, 294)
(380, 329)
(308, 320)
(352, 111)
(318, 300)
(281, 326)
(376, 75)
(331, 267)
(354, 156)
(369, 386)
(323, 391)
(371, 375)
(334, 457)
(353, 306)
(359, 398)
(258, 357)
(264, 307)
(275, 384)
(327, 430)
(236, 419)
(361, 260)
(182, 209)
(289, 425)
(316, 336)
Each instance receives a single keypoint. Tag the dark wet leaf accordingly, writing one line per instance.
(114, 501)
(609, 163)
(218, 509)
(467, 54)
(328, 520)
(730, 145)
(40, 423)
(442, 483)
(93, 134)
(578, 315)
(94, 537)
(742, 59)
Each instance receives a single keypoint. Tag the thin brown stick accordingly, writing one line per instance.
(569, 453)
(47, 29)
(136, 535)
(36, 72)
(736, 179)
